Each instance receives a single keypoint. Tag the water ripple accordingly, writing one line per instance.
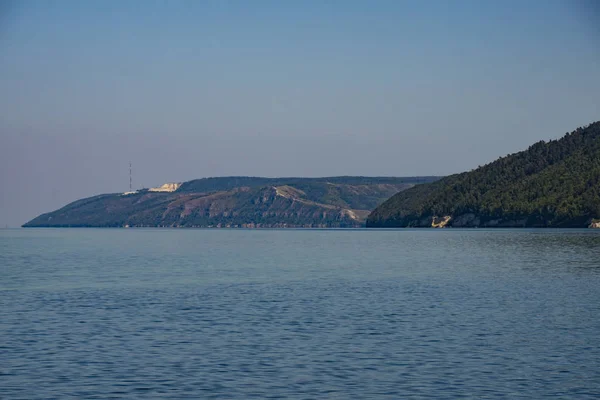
(266, 314)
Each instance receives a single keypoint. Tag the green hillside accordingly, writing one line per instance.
(551, 184)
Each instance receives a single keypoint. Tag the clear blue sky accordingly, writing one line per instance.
(189, 89)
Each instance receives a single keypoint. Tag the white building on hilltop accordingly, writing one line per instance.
(167, 187)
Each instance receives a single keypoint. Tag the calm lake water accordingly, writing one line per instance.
(303, 314)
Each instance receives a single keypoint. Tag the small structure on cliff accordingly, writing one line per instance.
(167, 187)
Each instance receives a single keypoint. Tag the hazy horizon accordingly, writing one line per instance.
(187, 90)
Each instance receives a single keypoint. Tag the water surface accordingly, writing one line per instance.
(343, 314)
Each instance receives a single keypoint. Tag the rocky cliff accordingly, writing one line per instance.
(236, 202)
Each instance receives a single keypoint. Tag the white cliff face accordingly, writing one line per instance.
(440, 222)
(167, 187)
(595, 225)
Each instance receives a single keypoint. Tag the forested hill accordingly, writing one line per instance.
(236, 202)
(551, 184)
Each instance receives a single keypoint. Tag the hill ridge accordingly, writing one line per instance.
(236, 202)
(550, 184)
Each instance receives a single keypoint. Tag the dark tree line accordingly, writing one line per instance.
(555, 183)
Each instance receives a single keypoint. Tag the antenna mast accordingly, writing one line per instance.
(130, 180)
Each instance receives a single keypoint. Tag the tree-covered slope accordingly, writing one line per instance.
(551, 184)
(236, 201)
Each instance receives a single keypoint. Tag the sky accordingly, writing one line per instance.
(192, 89)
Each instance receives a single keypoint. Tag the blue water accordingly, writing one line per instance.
(302, 314)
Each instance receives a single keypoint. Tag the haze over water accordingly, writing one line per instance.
(166, 313)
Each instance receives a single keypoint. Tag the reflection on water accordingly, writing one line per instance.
(299, 314)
